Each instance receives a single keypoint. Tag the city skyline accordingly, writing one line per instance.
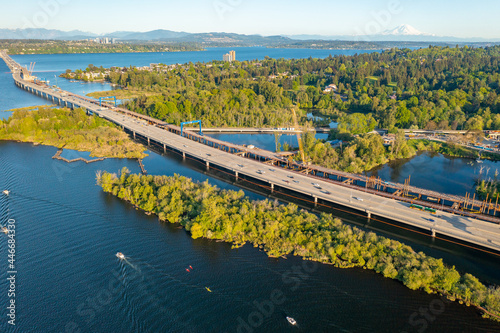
(446, 18)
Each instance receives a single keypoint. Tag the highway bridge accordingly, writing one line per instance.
(373, 198)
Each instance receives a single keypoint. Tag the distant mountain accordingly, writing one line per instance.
(151, 35)
(35, 33)
(120, 34)
(401, 33)
(208, 39)
(405, 30)
(223, 38)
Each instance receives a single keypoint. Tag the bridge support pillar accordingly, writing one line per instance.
(148, 142)
(369, 214)
(184, 156)
(164, 149)
(272, 188)
(134, 135)
(236, 174)
(208, 165)
(433, 232)
(315, 201)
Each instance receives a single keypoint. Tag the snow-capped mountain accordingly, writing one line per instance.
(405, 30)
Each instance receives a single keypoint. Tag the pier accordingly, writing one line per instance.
(57, 156)
(469, 221)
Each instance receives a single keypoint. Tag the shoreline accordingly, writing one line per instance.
(341, 234)
(80, 132)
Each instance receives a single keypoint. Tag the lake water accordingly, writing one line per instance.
(68, 231)
(261, 140)
(437, 172)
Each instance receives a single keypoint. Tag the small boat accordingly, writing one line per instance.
(190, 266)
(120, 255)
(208, 289)
(5, 230)
(6, 192)
(187, 269)
(291, 320)
(479, 160)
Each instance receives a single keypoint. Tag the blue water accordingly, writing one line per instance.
(61, 62)
(262, 141)
(69, 279)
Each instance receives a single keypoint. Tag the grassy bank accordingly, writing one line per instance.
(64, 128)
(206, 211)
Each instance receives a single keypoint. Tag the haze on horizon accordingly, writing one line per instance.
(457, 18)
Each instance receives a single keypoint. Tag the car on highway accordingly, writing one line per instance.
(325, 192)
(286, 181)
(272, 170)
(241, 165)
(315, 184)
(208, 154)
(290, 176)
(260, 172)
(295, 181)
(356, 198)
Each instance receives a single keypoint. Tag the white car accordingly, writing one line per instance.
(260, 172)
(356, 198)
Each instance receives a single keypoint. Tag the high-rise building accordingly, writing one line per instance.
(231, 56)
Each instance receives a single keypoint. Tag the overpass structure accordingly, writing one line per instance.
(370, 197)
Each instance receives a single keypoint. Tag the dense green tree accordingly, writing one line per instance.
(206, 211)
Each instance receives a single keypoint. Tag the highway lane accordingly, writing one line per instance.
(467, 229)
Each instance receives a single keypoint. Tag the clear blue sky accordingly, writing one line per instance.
(458, 18)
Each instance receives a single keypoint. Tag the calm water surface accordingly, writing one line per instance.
(437, 172)
(68, 232)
